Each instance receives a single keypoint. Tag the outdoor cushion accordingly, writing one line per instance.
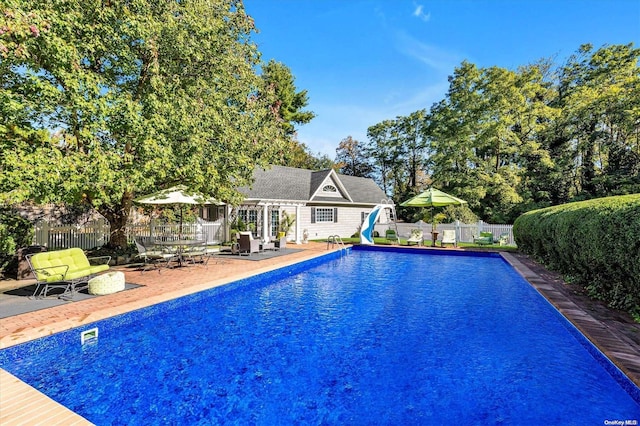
(485, 238)
(416, 237)
(63, 265)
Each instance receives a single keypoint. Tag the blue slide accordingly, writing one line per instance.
(366, 233)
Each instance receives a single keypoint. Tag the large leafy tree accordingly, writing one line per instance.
(351, 158)
(382, 149)
(512, 140)
(289, 102)
(299, 155)
(102, 101)
(599, 93)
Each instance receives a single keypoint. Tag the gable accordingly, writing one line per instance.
(330, 189)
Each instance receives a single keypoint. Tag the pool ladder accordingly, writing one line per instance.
(334, 240)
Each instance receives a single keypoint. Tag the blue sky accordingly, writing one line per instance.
(363, 62)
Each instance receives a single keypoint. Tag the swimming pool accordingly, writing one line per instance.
(418, 339)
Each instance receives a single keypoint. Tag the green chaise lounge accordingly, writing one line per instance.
(391, 236)
(484, 238)
(63, 269)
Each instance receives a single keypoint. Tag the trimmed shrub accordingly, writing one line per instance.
(594, 243)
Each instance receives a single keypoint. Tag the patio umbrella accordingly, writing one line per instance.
(433, 197)
(178, 195)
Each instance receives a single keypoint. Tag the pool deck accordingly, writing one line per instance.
(612, 332)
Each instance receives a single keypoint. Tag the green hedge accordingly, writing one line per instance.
(594, 243)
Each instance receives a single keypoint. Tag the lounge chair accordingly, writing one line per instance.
(247, 244)
(391, 236)
(448, 237)
(416, 237)
(484, 238)
(154, 257)
(64, 269)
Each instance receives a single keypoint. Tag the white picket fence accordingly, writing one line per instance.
(464, 232)
(86, 236)
(96, 233)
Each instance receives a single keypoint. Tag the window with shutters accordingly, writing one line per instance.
(324, 214)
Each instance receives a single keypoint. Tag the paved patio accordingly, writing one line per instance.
(614, 333)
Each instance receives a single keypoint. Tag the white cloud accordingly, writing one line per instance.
(433, 56)
(419, 13)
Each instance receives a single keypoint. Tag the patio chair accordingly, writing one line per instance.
(503, 239)
(484, 238)
(391, 236)
(280, 242)
(416, 237)
(448, 237)
(154, 257)
(247, 244)
(198, 253)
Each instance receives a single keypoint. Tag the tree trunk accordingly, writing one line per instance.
(118, 217)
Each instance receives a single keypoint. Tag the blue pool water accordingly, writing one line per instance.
(375, 337)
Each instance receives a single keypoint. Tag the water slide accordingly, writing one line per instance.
(366, 233)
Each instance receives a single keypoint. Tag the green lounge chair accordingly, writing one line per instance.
(484, 238)
(391, 236)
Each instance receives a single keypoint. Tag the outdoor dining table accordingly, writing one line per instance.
(180, 246)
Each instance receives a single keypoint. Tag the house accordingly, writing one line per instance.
(324, 203)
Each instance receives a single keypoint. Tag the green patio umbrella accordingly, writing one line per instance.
(431, 198)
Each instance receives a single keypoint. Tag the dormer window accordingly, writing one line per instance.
(330, 188)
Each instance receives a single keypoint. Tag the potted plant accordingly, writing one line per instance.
(237, 226)
(286, 223)
(438, 218)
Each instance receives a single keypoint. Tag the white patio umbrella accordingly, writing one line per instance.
(178, 195)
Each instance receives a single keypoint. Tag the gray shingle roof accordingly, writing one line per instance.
(363, 190)
(288, 183)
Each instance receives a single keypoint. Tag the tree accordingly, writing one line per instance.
(289, 103)
(599, 93)
(485, 136)
(511, 140)
(351, 158)
(415, 138)
(299, 155)
(105, 101)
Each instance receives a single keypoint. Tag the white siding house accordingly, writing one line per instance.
(324, 202)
